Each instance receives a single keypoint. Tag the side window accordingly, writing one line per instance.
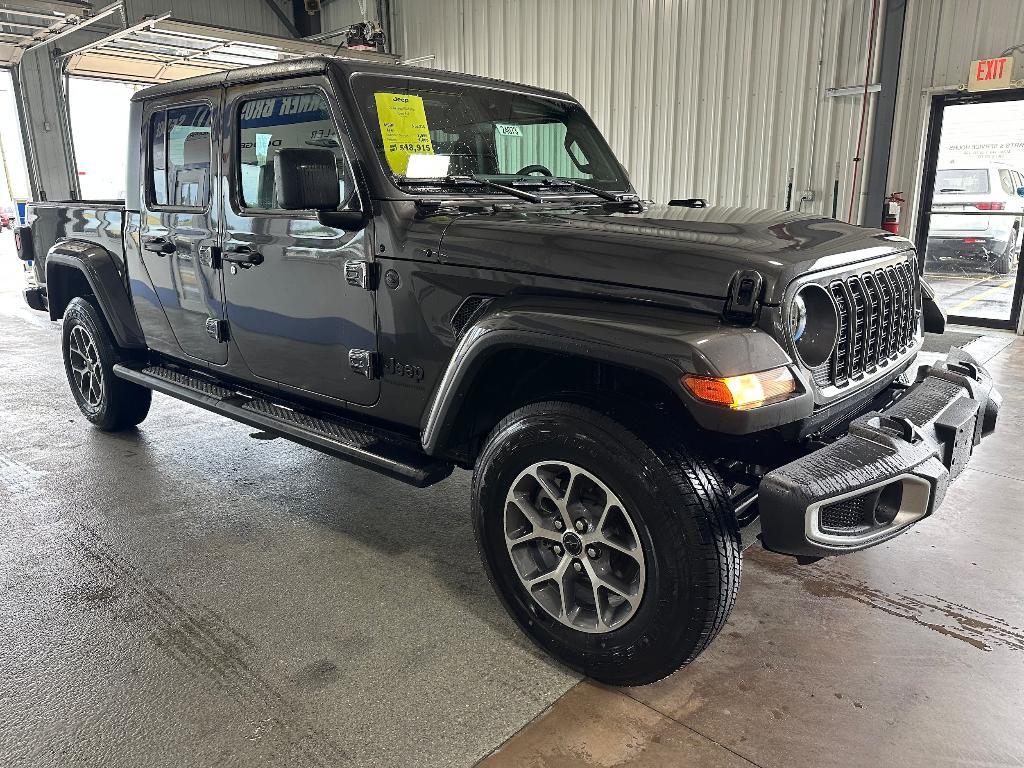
(1007, 181)
(180, 156)
(268, 125)
(1018, 181)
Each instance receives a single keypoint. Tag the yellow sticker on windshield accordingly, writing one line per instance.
(403, 126)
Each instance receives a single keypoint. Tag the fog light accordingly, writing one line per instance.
(751, 390)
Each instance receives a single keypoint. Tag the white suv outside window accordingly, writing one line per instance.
(977, 241)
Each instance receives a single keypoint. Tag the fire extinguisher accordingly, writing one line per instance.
(891, 212)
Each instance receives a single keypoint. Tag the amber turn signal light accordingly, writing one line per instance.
(750, 390)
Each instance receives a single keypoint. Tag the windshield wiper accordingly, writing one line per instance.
(474, 179)
(952, 189)
(604, 194)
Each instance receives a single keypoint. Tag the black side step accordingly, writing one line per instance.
(387, 452)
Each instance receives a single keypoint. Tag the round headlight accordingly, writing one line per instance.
(813, 324)
(797, 317)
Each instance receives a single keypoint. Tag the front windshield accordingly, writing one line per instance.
(424, 129)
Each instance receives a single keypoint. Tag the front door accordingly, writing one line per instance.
(179, 227)
(292, 314)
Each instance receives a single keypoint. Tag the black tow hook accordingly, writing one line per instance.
(903, 427)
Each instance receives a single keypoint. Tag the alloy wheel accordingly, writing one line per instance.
(86, 369)
(574, 547)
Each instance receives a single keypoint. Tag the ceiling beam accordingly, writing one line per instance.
(283, 18)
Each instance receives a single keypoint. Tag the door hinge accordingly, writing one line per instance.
(217, 329)
(361, 274)
(363, 362)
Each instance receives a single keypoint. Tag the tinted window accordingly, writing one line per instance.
(266, 126)
(955, 181)
(180, 156)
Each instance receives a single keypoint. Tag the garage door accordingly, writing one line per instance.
(162, 49)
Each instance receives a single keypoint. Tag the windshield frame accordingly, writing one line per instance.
(415, 188)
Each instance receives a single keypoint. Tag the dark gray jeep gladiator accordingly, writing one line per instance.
(415, 270)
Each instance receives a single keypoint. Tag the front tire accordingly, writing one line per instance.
(666, 564)
(112, 404)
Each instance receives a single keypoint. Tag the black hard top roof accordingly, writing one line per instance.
(315, 64)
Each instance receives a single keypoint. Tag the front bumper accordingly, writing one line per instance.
(890, 470)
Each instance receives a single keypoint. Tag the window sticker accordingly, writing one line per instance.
(428, 166)
(403, 126)
(508, 130)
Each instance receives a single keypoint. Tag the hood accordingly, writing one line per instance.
(682, 250)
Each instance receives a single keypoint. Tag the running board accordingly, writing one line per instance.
(387, 452)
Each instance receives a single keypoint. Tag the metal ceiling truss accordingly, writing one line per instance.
(64, 19)
(160, 49)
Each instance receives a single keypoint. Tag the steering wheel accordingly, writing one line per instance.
(528, 169)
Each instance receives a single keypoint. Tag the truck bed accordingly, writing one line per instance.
(95, 221)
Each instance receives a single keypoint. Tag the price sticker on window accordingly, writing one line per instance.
(508, 130)
(403, 126)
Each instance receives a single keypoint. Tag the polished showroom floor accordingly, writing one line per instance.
(188, 595)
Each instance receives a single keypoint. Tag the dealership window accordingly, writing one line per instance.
(180, 156)
(268, 125)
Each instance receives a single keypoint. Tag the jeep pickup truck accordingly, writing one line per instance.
(415, 270)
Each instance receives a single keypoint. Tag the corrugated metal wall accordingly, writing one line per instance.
(718, 99)
(709, 99)
(343, 13)
(942, 37)
(246, 15)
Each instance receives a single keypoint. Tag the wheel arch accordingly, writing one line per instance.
(519, 353)
(77, 268)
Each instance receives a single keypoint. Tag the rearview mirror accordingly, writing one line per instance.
(306, 179)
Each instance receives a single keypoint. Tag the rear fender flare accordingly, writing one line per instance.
(99, 268)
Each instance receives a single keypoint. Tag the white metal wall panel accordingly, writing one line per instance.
(245, 15)
(941, 39)
(697, 98)
(343, 13)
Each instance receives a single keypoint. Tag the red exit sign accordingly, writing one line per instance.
(990, 74)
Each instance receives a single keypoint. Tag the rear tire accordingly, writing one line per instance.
(112, 404)
(687, 540)
(1004, 264)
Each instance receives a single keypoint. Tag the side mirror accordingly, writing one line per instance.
(306, 179)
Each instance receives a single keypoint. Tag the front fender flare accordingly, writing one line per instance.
(663, 343)
(99, 268)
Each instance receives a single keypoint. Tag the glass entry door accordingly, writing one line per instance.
(971, 228)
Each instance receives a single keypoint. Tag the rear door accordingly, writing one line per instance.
(293, 314)
(179, 230)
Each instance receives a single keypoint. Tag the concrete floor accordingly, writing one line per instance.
(186, 595)
(981, 295)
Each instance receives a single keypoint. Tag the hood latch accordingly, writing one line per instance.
(744, 300)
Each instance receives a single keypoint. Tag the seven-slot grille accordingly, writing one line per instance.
(877, 321)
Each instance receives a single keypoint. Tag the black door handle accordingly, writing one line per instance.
(243, 256)
(159, 246)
